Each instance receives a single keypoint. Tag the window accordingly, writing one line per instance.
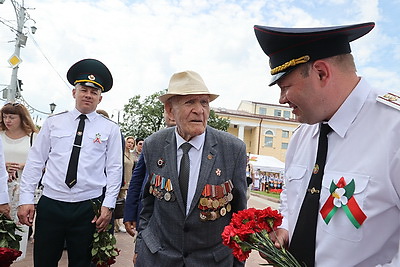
(285, 134)
(268, 141)
(269, 132)
(284, 145)
(277, 113)
(262, 111)
(286, 114)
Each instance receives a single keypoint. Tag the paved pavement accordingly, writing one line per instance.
(126, 245)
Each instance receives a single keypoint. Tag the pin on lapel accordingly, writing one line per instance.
(160, 163)
(218, 172)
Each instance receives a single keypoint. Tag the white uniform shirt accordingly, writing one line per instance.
(195, 162)
(364, 146)
(3, 178)
(99, 165)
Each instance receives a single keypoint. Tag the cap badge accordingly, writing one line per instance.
(91, 77)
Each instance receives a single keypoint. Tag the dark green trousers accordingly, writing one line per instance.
(57, 221)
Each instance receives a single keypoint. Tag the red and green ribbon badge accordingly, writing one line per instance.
(342, 197)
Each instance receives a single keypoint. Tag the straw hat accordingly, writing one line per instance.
(186, 83)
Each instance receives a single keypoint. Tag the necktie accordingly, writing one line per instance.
(184, 171)
(71, 179)
(302, 245)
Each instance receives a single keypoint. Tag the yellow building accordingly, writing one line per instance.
(265, 128)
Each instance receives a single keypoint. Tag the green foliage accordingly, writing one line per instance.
(8, 238)
(218, 122)
(142, 118)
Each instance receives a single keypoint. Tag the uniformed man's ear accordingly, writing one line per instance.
(73, 92)
(322, 69)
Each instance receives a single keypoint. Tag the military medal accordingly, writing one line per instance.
(222, 211)
(228, 207)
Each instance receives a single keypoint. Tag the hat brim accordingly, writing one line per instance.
(165, 97)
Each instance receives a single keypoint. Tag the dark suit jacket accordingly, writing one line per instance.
(167, 237)
(133, 204)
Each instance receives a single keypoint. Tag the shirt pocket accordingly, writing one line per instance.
(61, 141)
(340, 225)
(96, 140)
(295, 175)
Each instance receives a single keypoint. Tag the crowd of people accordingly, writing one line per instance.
(181, 185)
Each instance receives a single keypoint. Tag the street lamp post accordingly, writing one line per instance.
(52, 107)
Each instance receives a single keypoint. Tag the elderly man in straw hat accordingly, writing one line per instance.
(197, 179)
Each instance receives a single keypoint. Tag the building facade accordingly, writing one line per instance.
(265, 128)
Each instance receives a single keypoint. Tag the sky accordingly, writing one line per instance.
(144, 42)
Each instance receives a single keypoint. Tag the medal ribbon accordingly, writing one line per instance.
(351, 209)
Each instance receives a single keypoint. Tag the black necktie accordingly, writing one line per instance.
(184, 171)
(71, 179)
(302, 245)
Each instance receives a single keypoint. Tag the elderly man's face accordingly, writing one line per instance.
(190, 113)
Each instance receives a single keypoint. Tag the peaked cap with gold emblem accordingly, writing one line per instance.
(92, 73)
(290, 47)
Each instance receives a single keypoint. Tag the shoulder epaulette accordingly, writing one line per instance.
(107, 118)
(390, 99)
(51, 115)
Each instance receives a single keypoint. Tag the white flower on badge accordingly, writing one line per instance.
(339, 198)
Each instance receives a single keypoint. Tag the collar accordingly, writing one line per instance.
(349, 110)
(91, 116)
(197, 141)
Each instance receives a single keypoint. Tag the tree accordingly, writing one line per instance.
(217, 122)
(141, 119)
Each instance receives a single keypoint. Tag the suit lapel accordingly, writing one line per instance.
(170, 154)
(207, 162)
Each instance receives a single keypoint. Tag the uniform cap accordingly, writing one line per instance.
(289, 47)
(92, 73)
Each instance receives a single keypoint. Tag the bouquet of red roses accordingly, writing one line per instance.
(104, 250)
(9, 241)
(250, 229)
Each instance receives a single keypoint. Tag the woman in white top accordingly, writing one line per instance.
(17, 133)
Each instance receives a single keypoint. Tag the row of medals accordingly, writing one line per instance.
(164, 190)
(212, 208)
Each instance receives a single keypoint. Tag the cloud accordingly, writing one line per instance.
(145, 42)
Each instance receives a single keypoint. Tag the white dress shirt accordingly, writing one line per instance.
(364, 146)
(195, 162)
(100, 160)
(3, 177)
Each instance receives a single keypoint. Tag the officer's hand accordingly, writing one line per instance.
(26, 214)
(134, 258)
(104, 219)
(280, 237)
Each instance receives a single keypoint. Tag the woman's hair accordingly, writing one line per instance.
(18, 109)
